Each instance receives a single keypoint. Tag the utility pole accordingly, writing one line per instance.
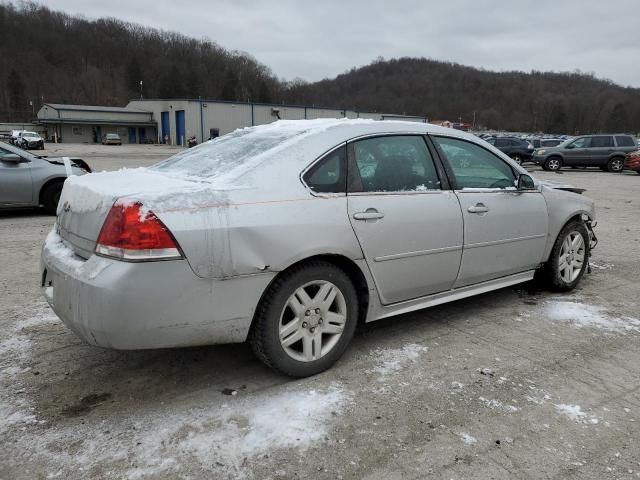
(140, 89)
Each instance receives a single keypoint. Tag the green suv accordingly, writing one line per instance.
(604, 151)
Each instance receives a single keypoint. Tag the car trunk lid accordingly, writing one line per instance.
(86, 201)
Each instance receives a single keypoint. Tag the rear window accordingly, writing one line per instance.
(238, 150)
(602, 141)
(625, 141)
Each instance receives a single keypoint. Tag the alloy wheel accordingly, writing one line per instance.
(572, 256)
(312, 321)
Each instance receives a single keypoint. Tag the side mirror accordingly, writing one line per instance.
(12, 157)
(570, 146)
(525, 182)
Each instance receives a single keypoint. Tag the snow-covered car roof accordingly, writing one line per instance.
(289, 143)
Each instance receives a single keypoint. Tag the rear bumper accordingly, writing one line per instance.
(131, 306)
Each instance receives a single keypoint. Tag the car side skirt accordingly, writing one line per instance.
(379, 311)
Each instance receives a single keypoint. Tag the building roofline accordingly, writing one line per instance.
(274, 105)
(94, 108)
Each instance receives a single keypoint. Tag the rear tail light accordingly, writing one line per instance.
(131, 233)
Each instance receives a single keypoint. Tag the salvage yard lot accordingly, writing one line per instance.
(516, 383)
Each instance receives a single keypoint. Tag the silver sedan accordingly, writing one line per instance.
(287, 235)
(28, 180)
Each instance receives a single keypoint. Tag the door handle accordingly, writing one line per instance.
(478, 208)
(369, 214)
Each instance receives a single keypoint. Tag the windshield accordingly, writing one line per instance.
(31, 135)
(229, 154)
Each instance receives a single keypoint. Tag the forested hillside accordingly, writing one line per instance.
(51, 56)
(517, 101)
(48, 56)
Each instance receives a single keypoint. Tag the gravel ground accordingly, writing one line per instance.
(514, 384)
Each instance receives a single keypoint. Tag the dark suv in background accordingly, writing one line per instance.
(518, 149)
(604, 151)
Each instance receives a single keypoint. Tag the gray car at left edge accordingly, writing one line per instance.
(289, 234)
(28, 180)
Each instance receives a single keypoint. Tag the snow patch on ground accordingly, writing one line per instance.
(395, 359)
(582, 315)
(498, 405)
(574, 412)
(601, 265)
(15, 352)
(289, 419)
(468, 439)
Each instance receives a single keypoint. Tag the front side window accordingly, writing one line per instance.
(328, 175)
(625, 141)
(603, 141)
(584, 142)
(400, 163)
(473, 166)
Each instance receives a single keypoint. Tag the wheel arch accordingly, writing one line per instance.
(581, 215)
(344, 263)
(47, 184)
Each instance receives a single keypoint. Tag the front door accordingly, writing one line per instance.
(15, 181)
(409, 226)
(505, 230)
(577, 152)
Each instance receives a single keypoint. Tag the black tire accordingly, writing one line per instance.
(50, 197)
(550, 276)
(616, 165)
(264, 336)
(553, 164)
(516, 158)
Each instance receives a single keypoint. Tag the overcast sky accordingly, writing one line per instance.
(322, 38)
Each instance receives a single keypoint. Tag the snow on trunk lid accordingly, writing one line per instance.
(86, 201)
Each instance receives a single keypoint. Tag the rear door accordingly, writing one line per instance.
(407, 220)
(599, 151)
(15, 181)
(505, 230)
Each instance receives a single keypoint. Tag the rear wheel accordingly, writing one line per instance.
(568, 259)
(553, 164)
(50, 197)
(516, 158)
(616, 164)
(306, 319)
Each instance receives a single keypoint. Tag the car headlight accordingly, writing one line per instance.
(541, 152)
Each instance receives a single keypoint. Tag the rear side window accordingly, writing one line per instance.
(473, 166)
(400, 163)
(601, 141)
(625, 141)
(329, 174)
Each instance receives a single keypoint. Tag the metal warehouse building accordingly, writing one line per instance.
(175, 120)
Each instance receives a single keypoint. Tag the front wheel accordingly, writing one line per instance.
(616, 164)
(517, 159)
(306, 319)
(569, 257)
